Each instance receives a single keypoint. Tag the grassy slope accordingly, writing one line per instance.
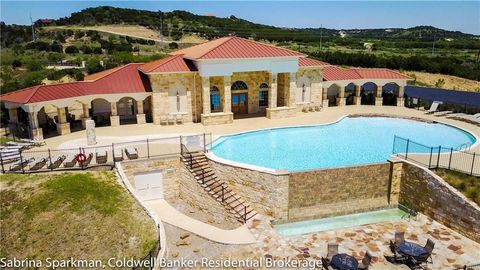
(450, 82)
(84, 215)
(468, 185)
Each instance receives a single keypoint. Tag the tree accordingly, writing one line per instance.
(56, 47)
(173, 45)
(97, 50)
(72, 49)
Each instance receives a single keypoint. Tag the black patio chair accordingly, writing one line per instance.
(421, 261)
(365, 263)
(332, 250)
(399, 239)
(326, 264)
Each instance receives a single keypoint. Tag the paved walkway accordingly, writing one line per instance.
(172, 216)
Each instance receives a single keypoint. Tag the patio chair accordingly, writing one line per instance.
(332, 250)
(311, 108)
(20, 164)
(326, 264)
(70, 161)
(101, 157)
(318, 108)
(365, 263)
(429, 246)
(171, 119)
(38, 165)
(179, 119)
(433, 107)
(118, 155)
(163, 120)
(442, 113)
(58, 161)
(420, 262)
(131, 152)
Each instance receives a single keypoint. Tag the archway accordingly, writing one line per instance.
(147, 109)
(101, 111)
(332, 94)
(367, 92)
(390, 94)
(349, 94)
(127, 110)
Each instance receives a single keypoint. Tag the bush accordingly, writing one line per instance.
(97, 50)
(56, 47)
(86, 50)
(16, 63)
(34, 65)
(173, 45)
(79, 34)
(38, 45)
(71, 49)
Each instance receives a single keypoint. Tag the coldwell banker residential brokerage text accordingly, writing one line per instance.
(163, 263)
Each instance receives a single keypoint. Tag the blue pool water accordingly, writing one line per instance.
(351, 141)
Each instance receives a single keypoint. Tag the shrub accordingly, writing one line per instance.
(173, 45)
(71, 49)
(16, 63)
(56, 47)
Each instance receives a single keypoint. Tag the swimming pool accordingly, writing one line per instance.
(348, 142)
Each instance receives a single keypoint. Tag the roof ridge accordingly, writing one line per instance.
(227, 39)
(112, 70)
(168, 59)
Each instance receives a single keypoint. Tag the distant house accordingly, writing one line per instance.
(44, 22)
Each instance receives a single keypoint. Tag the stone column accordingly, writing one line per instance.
(86, 115)
(114, 118)
(357, 99)
(272, 97)
(227, 94)
(36, 133)
(63, 127)
(325, 97)
(378, 96)
(292, 89)
(206, 95)
(140, 113)
(341, 100)
(13, 119)
(401, 95)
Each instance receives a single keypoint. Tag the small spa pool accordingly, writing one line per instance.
(332, 223)
(348, 142)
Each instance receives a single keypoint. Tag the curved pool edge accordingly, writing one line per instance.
(215, 158)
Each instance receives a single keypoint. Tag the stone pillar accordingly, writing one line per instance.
(325, 97)
(140, 113)
(86, 115)
(292, 89)
(91, 137)
(114, 118)
(341, 100)
(36, 133)
(401, 95)
(13, 119)
(378, 96)
(63, 127)
(357, 99)
(206, 95)
(272, 97)
(227, 96)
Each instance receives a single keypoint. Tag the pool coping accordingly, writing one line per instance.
(210, 155)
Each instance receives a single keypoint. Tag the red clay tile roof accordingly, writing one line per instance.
(234, 48)
(174, 63)
(309, 62)
(333, 73)
(124, 79)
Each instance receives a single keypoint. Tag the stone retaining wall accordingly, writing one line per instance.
(339, 191)
(422, 190)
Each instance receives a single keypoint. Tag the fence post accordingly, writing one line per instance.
(181, 148)
(450, 160)
(50, 158)
(203, 176)
(473, 163)
(430, 160)
(148, 149)
(204, 144)
(438, 159)
(406, 150)
(21, 161)
(113, 154)
(1, 161)
(223, 193)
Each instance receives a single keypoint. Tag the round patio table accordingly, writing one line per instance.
(411, 249)
(344, 261)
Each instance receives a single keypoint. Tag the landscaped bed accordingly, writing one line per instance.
(468, 185)
(79, 215)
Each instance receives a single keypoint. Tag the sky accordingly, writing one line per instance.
(451, 15)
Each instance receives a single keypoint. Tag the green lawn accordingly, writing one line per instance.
(80, 215)
(4, 140)
(468, 185)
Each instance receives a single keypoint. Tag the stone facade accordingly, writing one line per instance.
(422, 190)
(217, 118)
(339, 191)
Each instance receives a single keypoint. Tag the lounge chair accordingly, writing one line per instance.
(365, 261)
(101, 157)
(311, 108)
(131, 152)
(70, 161)
(38, 165)
(58, 161)
(87, 161)
(179, 119)
(332, 250)
(10, 157)
(433, 107)
(442, 113)
(318, 108)
(35, 142)
(20, 164)
(20, 144)
(163, 120)
(118, 155)
(171, 119)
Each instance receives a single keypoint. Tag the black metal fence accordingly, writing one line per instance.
(80, 158)
(150, 259)
(434, 157)
(470, 267)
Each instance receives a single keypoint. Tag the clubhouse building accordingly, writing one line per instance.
(212, 83)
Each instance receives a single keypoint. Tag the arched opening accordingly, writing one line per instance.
(368, 93)
(127, 110)
(147, 109)
(390, 94)
(263, 90)
(100, 112)
(239, 97)
(177, 99)
(333, 92)
(349, 93)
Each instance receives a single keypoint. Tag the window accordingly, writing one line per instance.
(263, 95)
(215, 99)
(239, 85)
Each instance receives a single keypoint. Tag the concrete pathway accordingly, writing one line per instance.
(168, 214)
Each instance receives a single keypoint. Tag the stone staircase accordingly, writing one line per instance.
(196, 162)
